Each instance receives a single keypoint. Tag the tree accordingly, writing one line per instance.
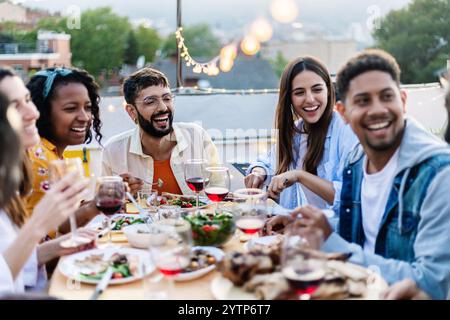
(131, 52)
(198, 38)
(279, 63)
(418, 37)
(99, 45)
(148, 42)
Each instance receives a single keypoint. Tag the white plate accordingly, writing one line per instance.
(70, 270)
(97, 222)
(265, 241)
(224, 289)
(186, 276)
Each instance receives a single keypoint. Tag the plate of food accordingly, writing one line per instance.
(203, 261)
(257, 274)
(118, 222)
(89, 266)
(274, 240)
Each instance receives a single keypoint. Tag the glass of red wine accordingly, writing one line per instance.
(251, 211)
(109, 198)
(172, 255)
(194, 175)
(218, 185)
(303, 272)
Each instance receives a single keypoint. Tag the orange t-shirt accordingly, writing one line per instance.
(163, 171)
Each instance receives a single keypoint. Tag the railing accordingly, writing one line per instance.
(17, 48)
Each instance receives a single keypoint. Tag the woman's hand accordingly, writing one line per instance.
(58, 203)
(52, 249)
(256, 178)
(283, 181)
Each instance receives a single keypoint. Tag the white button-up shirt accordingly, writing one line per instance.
(123, 153)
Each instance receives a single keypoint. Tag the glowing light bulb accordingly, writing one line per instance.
(250, 45)
(261, 30)
(226, 65)
(229, 51)
(284, 11)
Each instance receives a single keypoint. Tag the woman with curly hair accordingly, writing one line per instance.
(68, 102)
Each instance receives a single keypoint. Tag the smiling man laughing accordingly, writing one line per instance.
(394, 211)
(157, 148)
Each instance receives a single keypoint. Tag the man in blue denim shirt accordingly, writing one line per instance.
(403, 229)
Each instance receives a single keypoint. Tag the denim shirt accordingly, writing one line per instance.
(339, 141)
(413, 237)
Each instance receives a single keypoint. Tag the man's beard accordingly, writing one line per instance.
(149, 128)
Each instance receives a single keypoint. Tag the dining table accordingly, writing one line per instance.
(143, 289)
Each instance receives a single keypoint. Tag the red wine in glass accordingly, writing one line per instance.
(171, 265)
(109, 206)
(216, 194)
(196, 184)
(305, 282)
(250, 225)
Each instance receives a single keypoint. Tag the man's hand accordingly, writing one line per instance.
(404, 290)
(135, 184)
(313, 219)
(277, 224)
(256, 178)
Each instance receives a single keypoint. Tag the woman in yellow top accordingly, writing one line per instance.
(68, 102)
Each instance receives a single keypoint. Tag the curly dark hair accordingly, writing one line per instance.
(142, 79)
(44, 124)
(368, 60)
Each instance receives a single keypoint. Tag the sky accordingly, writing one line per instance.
(336, 16)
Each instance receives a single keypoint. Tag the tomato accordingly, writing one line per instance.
(117, 275)
(209, 228)
(163, 201)
(188, 205)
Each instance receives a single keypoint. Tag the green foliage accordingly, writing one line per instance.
(198, 38)
(100, 44)
(131, 51)
(418, 36)
(148, 42)
(279, 63)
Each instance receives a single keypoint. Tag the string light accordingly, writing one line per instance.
(261, 30)
(210, 68)
(250, 45)
(284, 11)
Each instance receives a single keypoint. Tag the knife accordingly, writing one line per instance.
(103, 284)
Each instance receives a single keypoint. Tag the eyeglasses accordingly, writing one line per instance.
(153, 101)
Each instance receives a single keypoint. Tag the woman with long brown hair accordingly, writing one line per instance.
(305, 166)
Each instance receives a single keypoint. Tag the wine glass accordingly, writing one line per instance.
(194, 174)
(218, 184)
(251, 210)
(173, 254)
(109, 198)
(303, 272)
(56, 171)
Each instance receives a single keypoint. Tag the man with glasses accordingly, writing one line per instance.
(157, 148)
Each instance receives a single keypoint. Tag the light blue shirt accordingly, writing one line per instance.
(340, 140)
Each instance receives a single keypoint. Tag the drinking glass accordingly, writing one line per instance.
(173, 254)
(251, 211)
(218, 184)
(56, 171)
(194, 175)
(109, 198)
(303, 272)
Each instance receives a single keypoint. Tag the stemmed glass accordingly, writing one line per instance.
(109, 198)
(56, 171)
(173, 254)
(251, 210)
(218, 184)
(194, 174)
(304, 273)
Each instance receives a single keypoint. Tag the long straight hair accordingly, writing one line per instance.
(13, 193)
(285, 117)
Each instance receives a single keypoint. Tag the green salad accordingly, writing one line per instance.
(209, 229)
(122, 222)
